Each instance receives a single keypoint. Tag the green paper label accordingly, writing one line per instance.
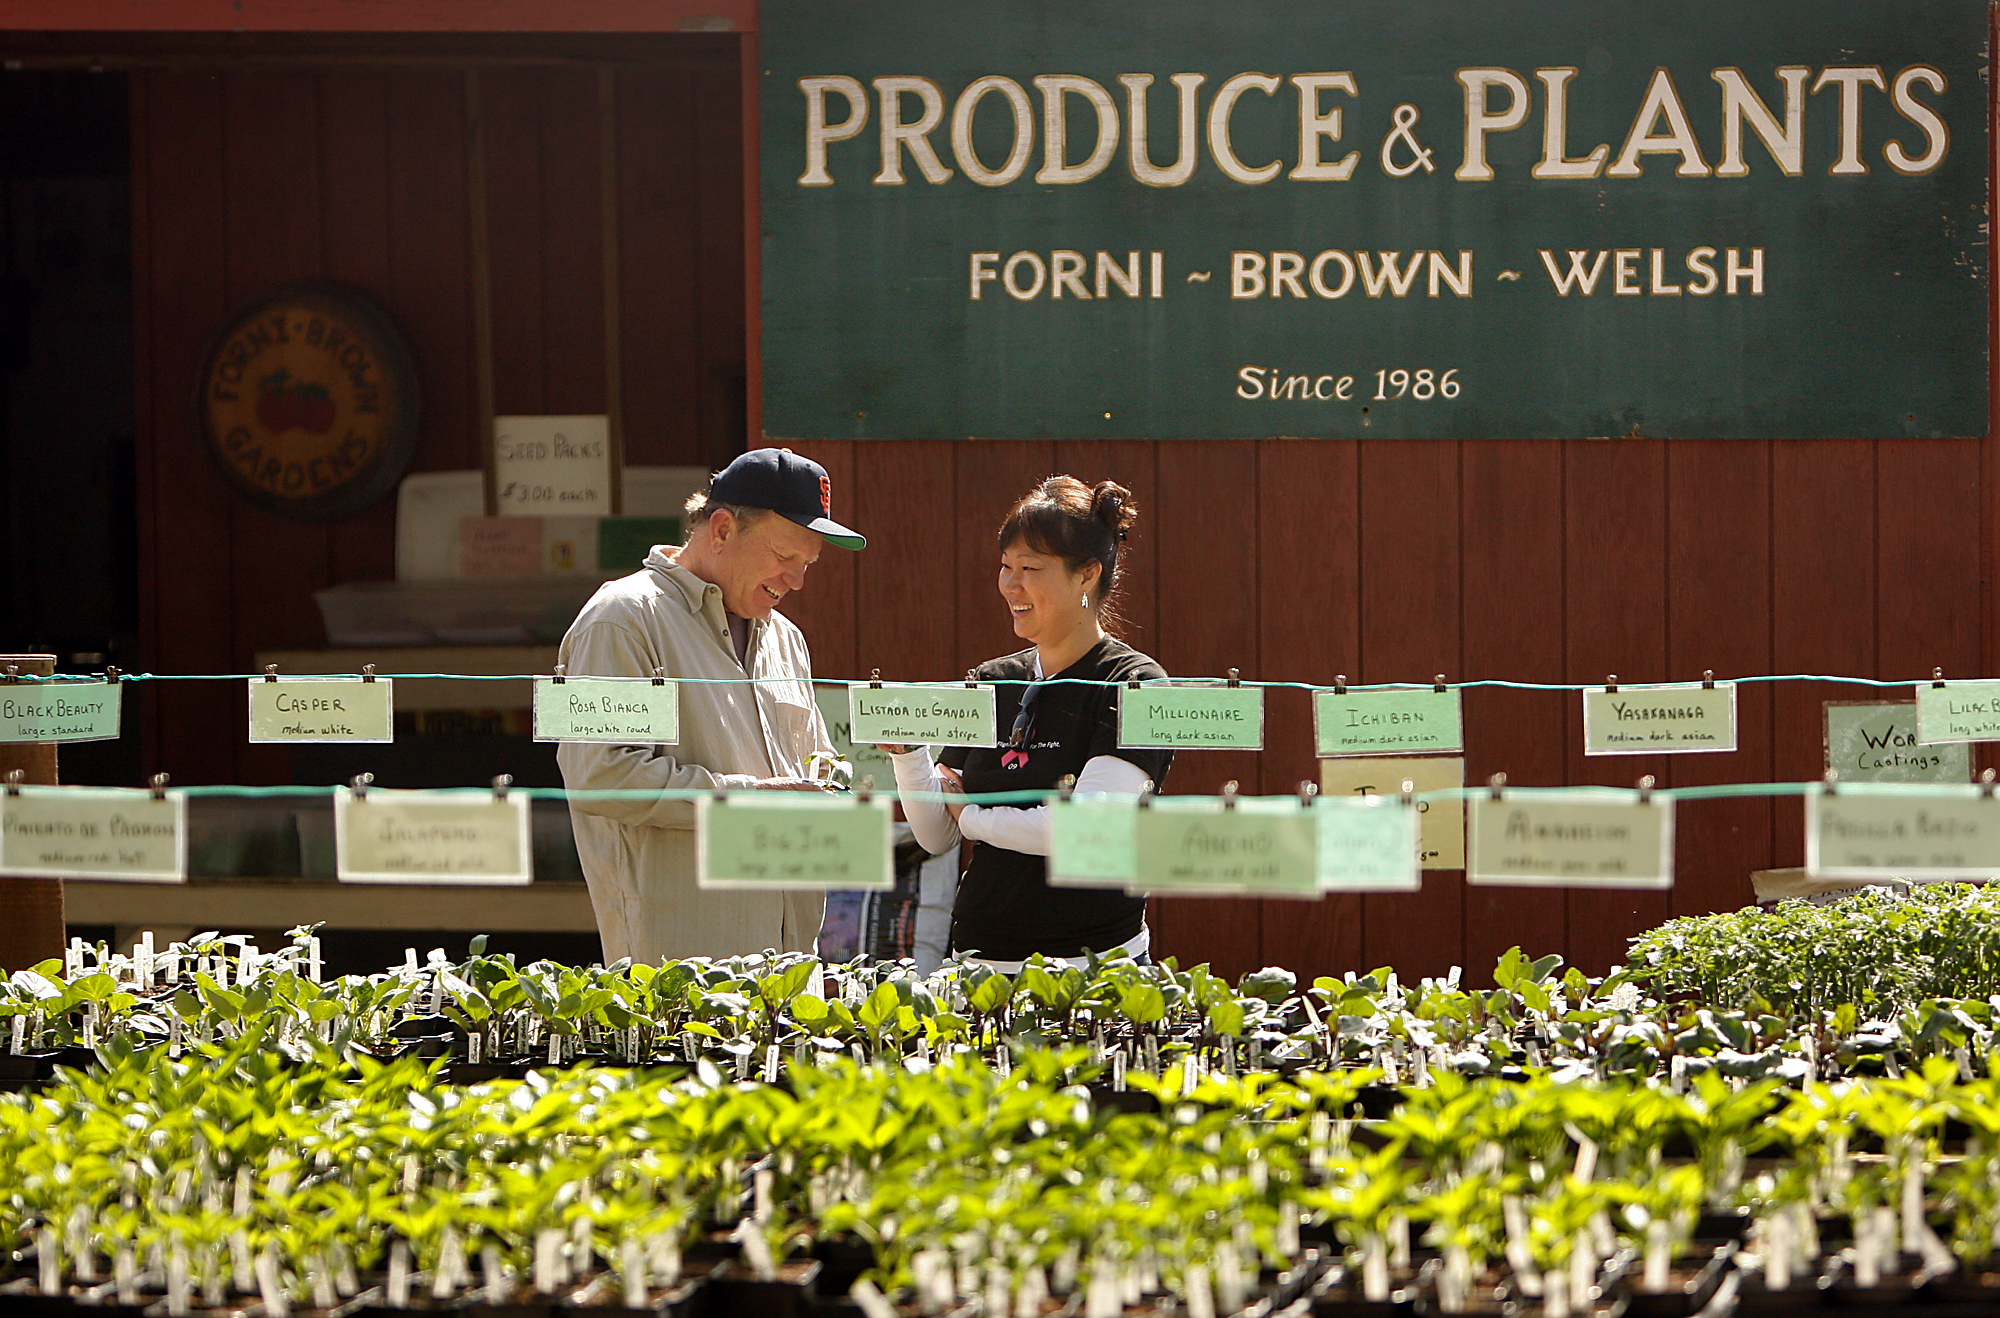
(1876, 742)
(1195, 845)
(1093, 841)
(1902, 831)
(431, 837)
(1568, 839)
(794, 840)
(94, 833)
(626, 710)
(1367, 844)
(1959, 711)
(1668, 719)
(921, 714)
(870, 765)
(1413, 721)
(319, 709)
(60, 711)
(1191, 717)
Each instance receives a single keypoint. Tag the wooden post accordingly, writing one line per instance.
(31, 910)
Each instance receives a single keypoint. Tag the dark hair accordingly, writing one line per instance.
(1077, 523)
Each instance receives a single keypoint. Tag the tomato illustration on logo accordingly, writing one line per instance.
(284, 403)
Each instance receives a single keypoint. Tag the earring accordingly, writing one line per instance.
(1084, 603)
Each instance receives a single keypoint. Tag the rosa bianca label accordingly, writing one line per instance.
(60, 711)
(630, 710)
(918, 714)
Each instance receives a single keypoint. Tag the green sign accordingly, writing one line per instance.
(921, 714)
(1190, 716)
(1093, 842)
(870, 765)
(1198, 845)
(1902, 831)
(59, 711)
(1876, 742)
(431, 837)
(626, 710)
(794, 840)
(1652, 720)
(1385, 218)
(1958, 711)
(1367, 844)
(1403, 721)
(1571, 839)
(94, 833)
(322, 709)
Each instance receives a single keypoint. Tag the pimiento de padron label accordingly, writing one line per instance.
(94, 833)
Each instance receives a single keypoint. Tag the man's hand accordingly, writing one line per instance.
(887, 749)
(950, 781)
(791, 785)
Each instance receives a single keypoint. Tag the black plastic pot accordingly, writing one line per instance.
(1697, 1288)
(734, 1293)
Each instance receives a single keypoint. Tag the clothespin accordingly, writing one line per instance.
(562, 673)
(1437, 684)
(1229, 795)
(1496, 784)
(1340, 685)
(500, 786)
(1066, 787)
(875, 679)
(158, 782)
(1831, 779)
(1646, 790)
(15, 777)
(368, 672)
(360, 785)
(1308, 789)
(1937, 677)
(1611, 683)
(659, 677)
(270, 672)
(1233, 678)
(111, 675)
(1708, 679)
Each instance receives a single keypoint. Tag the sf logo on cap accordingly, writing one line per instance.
(826, 496)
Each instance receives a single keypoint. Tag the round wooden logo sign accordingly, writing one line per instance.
(308, 402)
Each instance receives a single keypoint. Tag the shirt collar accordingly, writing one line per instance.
(694, 591)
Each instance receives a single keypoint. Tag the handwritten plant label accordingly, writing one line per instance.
(552, 464)
(1402, 721)
(1606, 838)
(794, 840)
(922, 714)
(1264, 846)
(94, 833)
(1440, 820)
(1902, 831)
(1191, 716)
(316, 709)
(626, 710)
(1093, 841)
(1673, 718)
(1876, 742)
(870, 765)
(1958, 711)
(60, 711)
(1367, 844)
(431, 837)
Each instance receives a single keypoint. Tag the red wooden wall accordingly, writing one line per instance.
(245, 177)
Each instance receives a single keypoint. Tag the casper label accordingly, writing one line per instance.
(59, 711)
(313, 709)
(1191, 717)
(1400, 721)
(431, 837)
(1571, 839)
(94, 833)
(794, 840)
(921, 714)
(627, 710)
(1902, 831)
(1672, 719)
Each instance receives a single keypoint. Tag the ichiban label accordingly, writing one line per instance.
(794, 840)
(60, 711)
(94, 833)
(1402, 721)
(1669, 718)
(431, 837)
(1960, 711)
(919, 714)
(630, 711)
(320, 709)
(1902, 831)
(1191, 716)
(1572, 839)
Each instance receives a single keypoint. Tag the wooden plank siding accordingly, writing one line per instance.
(1539, 561)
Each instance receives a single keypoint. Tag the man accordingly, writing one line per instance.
(706, 610)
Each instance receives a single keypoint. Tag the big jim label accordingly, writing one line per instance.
(308, 402)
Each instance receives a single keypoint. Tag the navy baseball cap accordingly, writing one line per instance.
(795, 488)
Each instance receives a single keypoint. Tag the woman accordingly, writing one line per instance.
(1058, 570)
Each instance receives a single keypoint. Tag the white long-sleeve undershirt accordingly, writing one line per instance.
(1016, 828)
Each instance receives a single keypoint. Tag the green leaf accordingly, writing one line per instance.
(1143, 1004)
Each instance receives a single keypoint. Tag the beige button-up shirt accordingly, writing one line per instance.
(639, 855)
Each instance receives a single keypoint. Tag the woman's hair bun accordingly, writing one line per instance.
(1111, 504)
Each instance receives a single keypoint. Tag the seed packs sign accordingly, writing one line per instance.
(1407, 219)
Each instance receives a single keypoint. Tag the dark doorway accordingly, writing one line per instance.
(68, 481)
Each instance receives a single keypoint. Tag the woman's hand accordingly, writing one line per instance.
(887, 749)
(949, 781)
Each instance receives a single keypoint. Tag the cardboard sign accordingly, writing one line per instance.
(94, 833)
(1402, 721)
(552, 464)
(60, 711)
(626, 710)
(1367, 844)
(1674, 718)
(1093, 841)
(500, 546)
(1876, 742)
(870, 765)
(921, 714)
(794, 840)
(431, 837)
(1902, 831)
(1440, 821)
(1261, 846)
(1958, 711)
(1572, 839)
(321, 709)
(1190, 716)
